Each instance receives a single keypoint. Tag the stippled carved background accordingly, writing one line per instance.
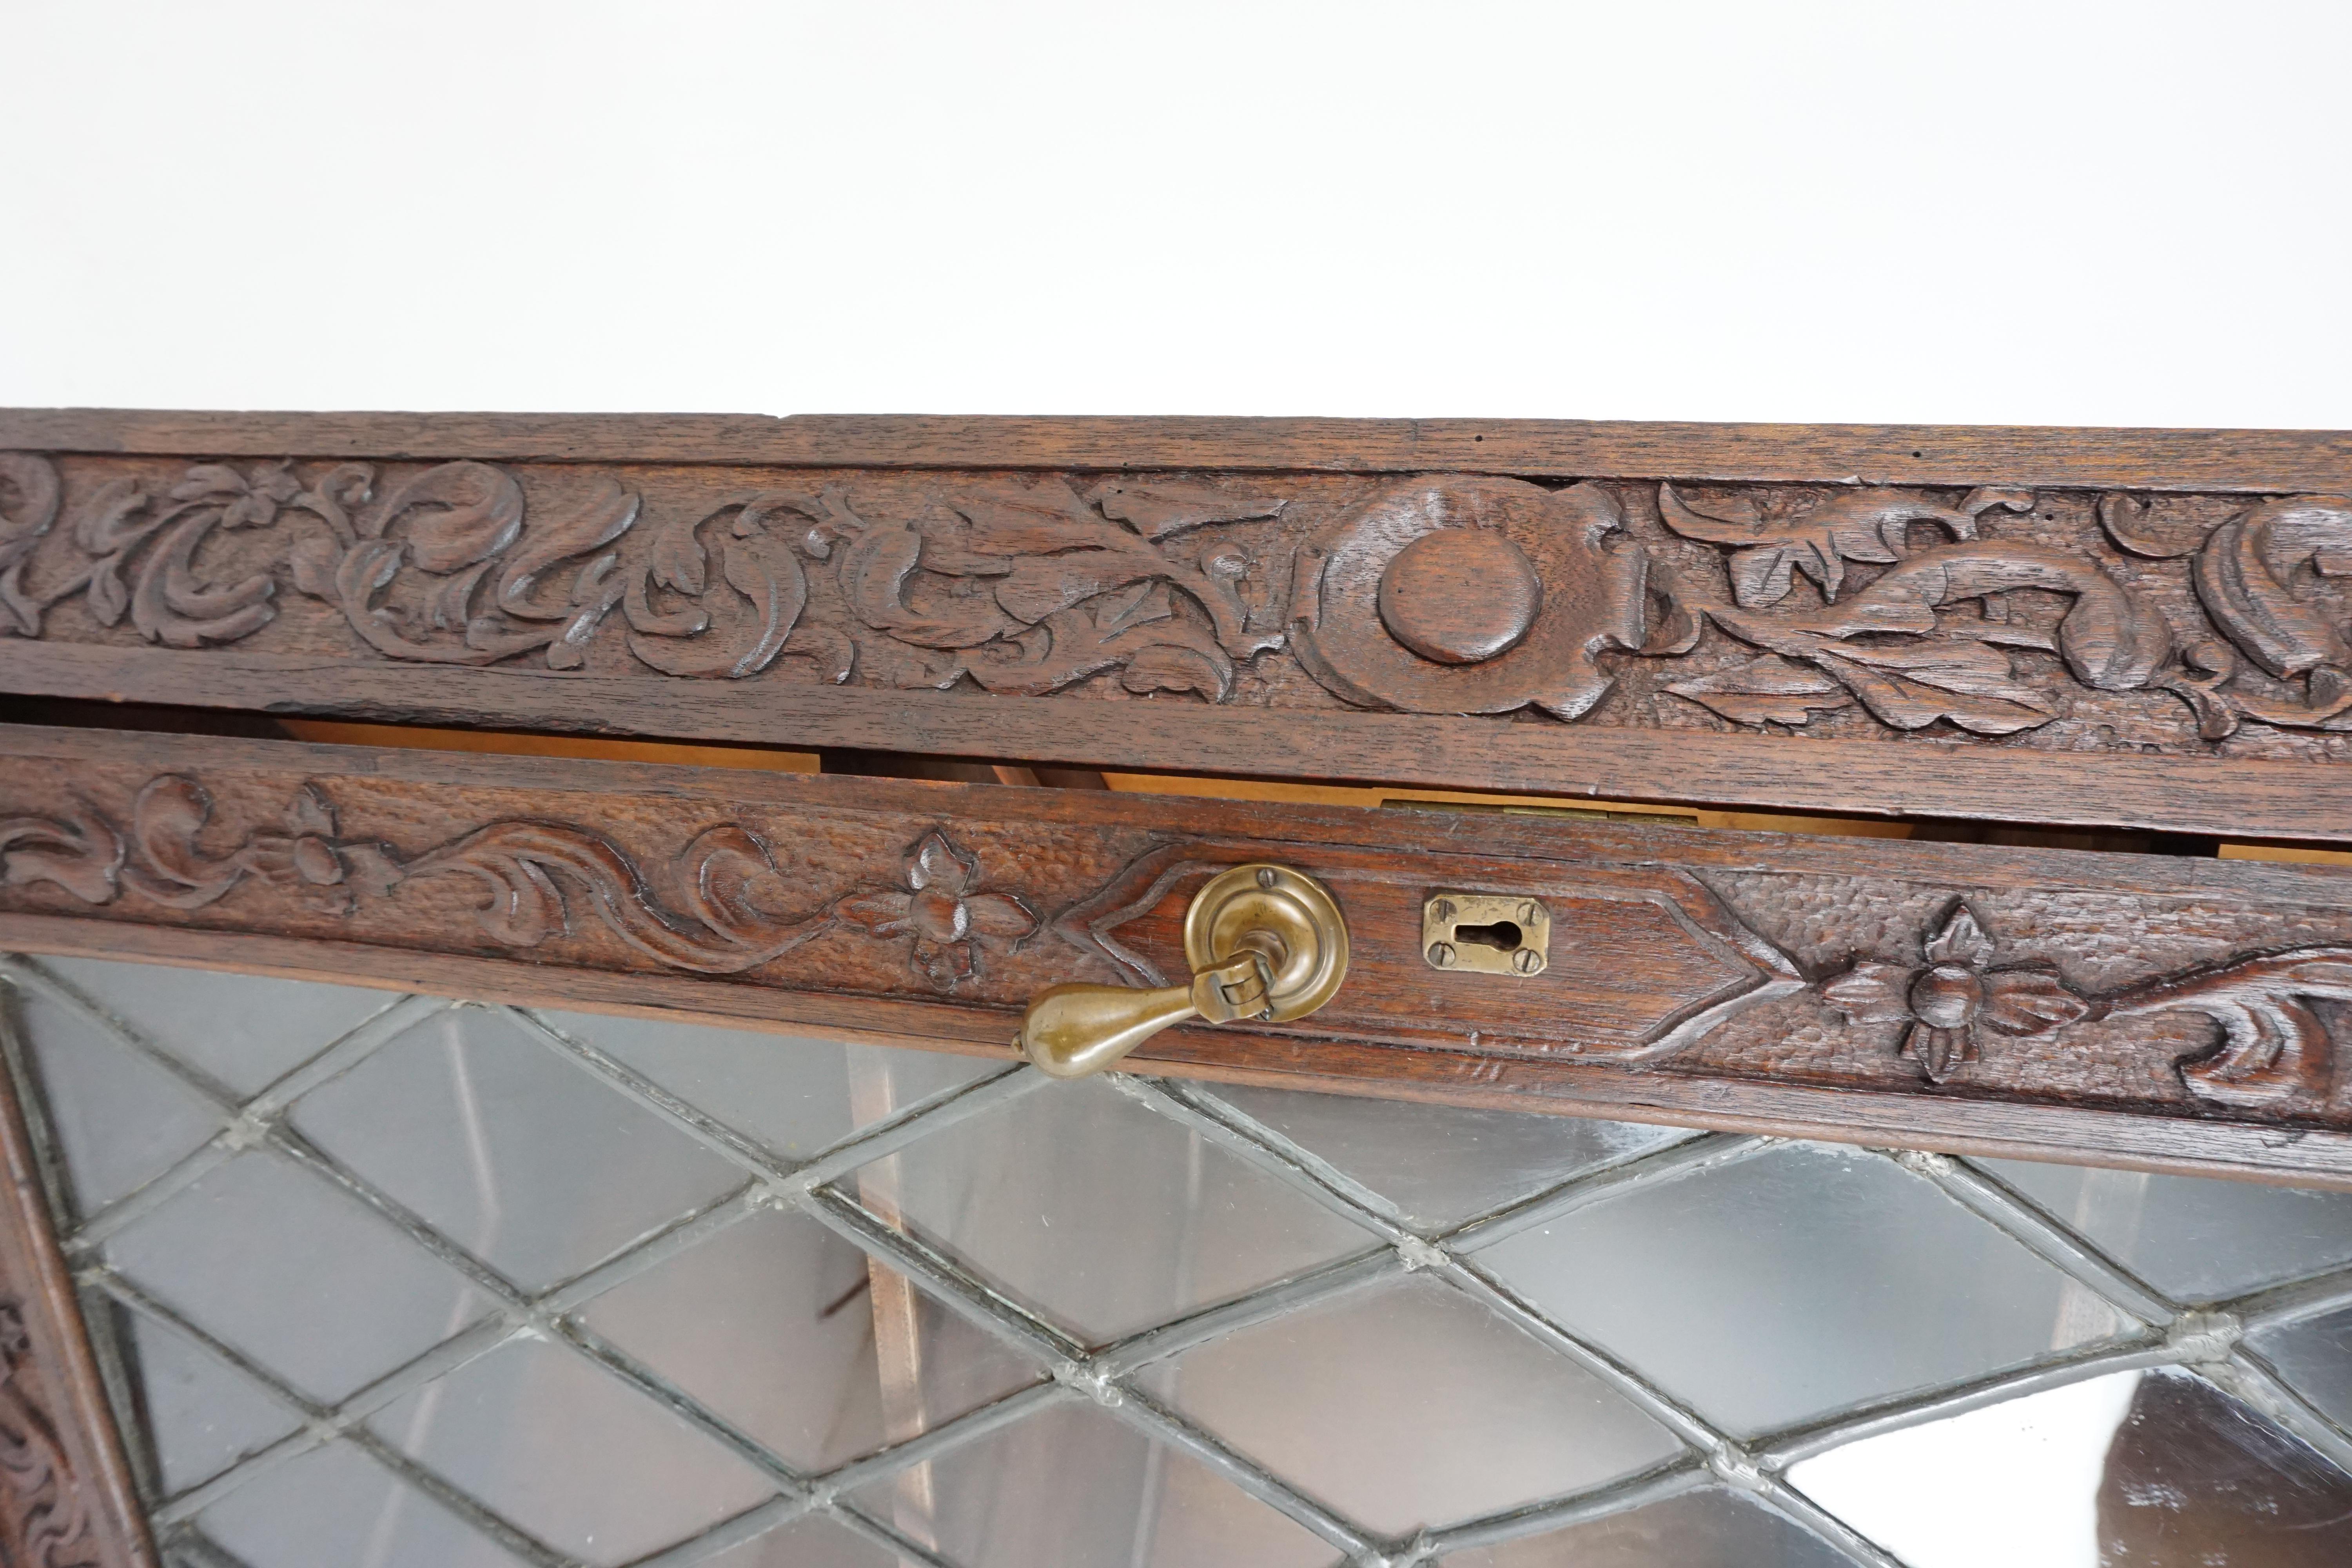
(2066, 620)
(2179, 988)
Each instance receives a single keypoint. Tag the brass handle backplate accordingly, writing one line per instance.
(1265, 942)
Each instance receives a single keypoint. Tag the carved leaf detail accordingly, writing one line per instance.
(1768, 689)
(2250, 575)
(2029, 1001)
(1960, 940)
(679, 561)
(1042, 519)
(874, 575)
(1159, 508)
(1871, 993)
(1865, 525)
(314, 559)
(1911, 687)
(20, 613)
(883, 913)
(454, 515)
(603, 519)
(768, 579)
(1940, 1053)
(1167, 666)
(29, 494)
(109, 522)
(108, 599)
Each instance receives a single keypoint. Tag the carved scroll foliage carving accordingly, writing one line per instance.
(47, 1516)
(1027, 589)
(2269, 579)
(2275, 1052)
(462, 526)
(1887, 645)
(737, 906)
(137, 551)
(1446, 594)
(459, 527)
(1022, 588)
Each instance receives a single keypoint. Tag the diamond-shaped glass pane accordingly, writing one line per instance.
(565, 1450)
(525, 1159)
(811, 1543)
(2315, 1356)
(1106, 1215)
(1709, 1529)
(793, 1094)
(1409, 1403)
(1923, 1491)
(1442, 1164)
(2196, 1237)
(2158, 1467)
(1798, 1281)
(336, 1506)
(1073, 1485)
(245, 1030)
(792, 1334)
(303, 1278)
(199, 1414)
(121, 1118)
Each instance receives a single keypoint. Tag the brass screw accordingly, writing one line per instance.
(1527, 961)
(1265, 877)
(1530, 913)
(1442, 911)
(1441, 954)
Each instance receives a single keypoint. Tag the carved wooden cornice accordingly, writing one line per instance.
(2005, 635)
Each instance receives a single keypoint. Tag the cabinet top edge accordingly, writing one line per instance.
(2259, 460)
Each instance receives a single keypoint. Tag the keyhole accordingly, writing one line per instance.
(1503, 936)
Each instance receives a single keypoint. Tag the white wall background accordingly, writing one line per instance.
(2039, 213)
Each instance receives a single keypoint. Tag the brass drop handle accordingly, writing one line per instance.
(1265, 942)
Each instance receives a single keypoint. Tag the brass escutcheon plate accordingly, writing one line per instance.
(1487, 933)
(1289, 918)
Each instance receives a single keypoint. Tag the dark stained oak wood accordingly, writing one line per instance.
(2308, 801)
(2165, 1012)
(2253, 461)
(2148, 657)
(66, 1495)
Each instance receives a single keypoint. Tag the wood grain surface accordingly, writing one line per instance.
(2162, 1011)
(66, 1495)
(2142, 656)
(2253, 461)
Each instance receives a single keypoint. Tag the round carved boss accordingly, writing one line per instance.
(1467, 594)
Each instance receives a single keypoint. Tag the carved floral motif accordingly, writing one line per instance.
(2275, 1052)
(1945, 1007)
(725, 904)
(941, 910)
(533, 875)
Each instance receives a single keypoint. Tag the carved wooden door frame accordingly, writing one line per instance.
(2093, 630)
